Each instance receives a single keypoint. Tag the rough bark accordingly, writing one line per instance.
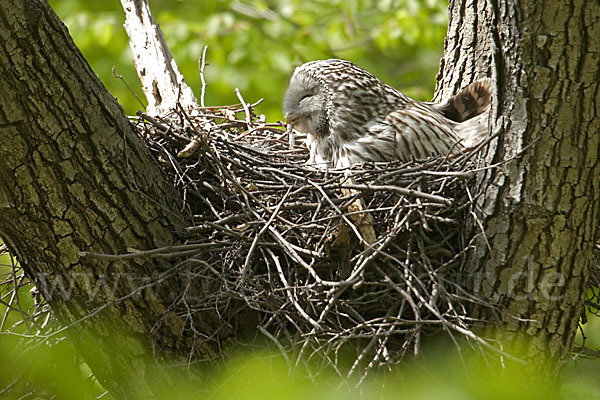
(539, 210)
(74, 177)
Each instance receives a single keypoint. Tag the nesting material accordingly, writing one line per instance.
(362, 263)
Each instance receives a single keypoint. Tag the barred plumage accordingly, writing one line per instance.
(350, 116)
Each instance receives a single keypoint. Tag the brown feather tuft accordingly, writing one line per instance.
(468, 103)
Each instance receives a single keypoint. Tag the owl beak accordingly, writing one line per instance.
(289, 120)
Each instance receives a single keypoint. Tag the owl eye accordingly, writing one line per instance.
(307, 95)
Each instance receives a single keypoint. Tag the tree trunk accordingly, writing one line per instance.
(539, 210)
(75, 178)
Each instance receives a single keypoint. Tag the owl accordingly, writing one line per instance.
(350, 116)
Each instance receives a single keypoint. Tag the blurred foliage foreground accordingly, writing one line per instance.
(46, 371)
(255, 46)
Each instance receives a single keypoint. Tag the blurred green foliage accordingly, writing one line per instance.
(44, 371)
(255, 45)
(57, 372)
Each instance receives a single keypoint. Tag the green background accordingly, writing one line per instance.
(255, 46)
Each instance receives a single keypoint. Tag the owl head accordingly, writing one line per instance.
(336, 98)
(305, 102)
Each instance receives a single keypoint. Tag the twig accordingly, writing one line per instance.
(173, 251)
(399, 190)
(289, 292)
(202, 65)
(120, 77)
(258, 236)
(246, 108)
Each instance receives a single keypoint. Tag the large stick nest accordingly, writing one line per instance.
(273, 237)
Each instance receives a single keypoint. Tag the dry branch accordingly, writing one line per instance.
(162, 84)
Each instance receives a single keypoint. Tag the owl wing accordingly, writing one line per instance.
(419, 132)
(413, 131)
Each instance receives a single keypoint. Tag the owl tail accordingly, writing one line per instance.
(468, 103)
(470, 109)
